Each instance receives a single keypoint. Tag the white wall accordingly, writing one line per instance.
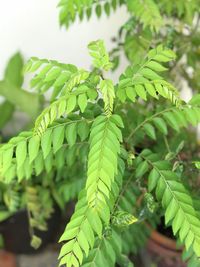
(32, 27)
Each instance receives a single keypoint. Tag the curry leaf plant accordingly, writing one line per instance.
(127, 149)
(90, 109)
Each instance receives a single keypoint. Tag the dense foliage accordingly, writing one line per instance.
(129, 147)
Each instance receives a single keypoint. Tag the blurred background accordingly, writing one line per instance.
(33, 28)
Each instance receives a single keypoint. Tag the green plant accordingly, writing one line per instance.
(32, 195)
(15, 98)
(129, 146)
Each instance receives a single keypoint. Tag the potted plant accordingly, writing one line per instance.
(130, 146)
(16, 200)
(14, 99)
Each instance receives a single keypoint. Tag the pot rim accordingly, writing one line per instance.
(162, 240)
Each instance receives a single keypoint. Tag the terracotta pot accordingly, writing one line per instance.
(163, 251)
(7, 259)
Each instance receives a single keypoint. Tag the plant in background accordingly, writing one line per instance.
(14, 97)
(14, 198)
(128, 147)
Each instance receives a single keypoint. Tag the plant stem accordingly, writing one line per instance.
(167, 144)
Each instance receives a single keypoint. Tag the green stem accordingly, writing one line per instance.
(167, 144)
(27, 102)
(147, 120)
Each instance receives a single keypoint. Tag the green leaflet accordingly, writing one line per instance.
(197, 164)
(28, 154)
(143, 78)
(105, 138)
(33, 147)
(148, 16)
(64, 105)
(71, 134)
(142, 168)
(46, 143)
(156, 66)
(122, 218)
(71, 104)
(82, 102)
(99, 54)
(58, 138)
(140, 91)
(83, 130)
(131, 94)
(21, 152)
(160, 125)
(76, 79)
(150, 130)
(6, 157)
(13, 72)
(98, 11)
(107, 89)
(36, 242)
(50, 74)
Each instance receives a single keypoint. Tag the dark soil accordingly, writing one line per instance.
(166, 231)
